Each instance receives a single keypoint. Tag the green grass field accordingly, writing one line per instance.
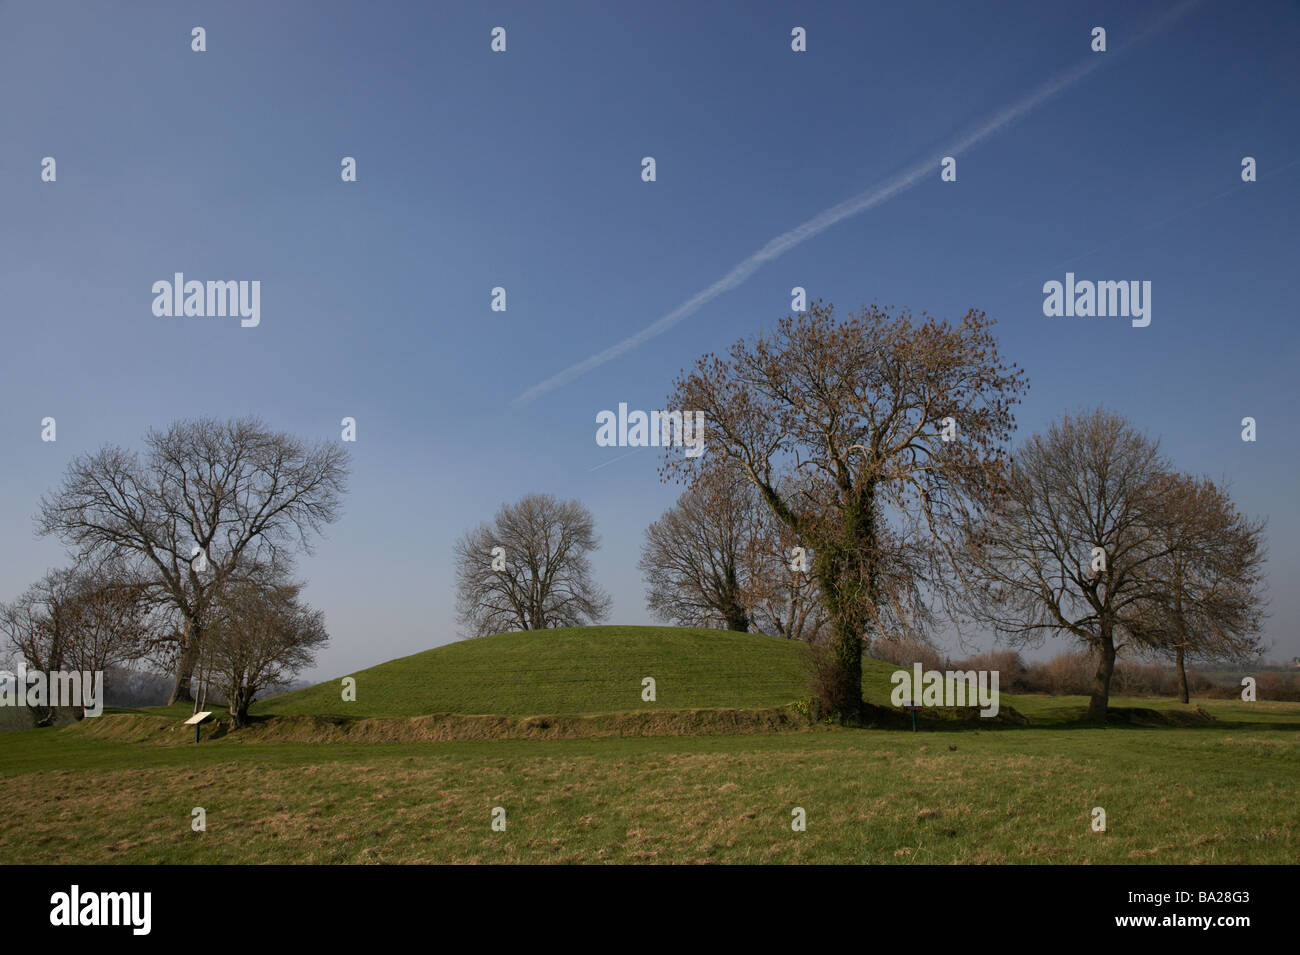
(1222, 789)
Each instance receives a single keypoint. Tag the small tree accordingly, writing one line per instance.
(695, 557)
(529, 569)
(1071, 546)
(37, 628)
(77, 619)
(260, 635)
(719, 558)
(1207, 603)
(112, 620)
(37, 624)
(783, 595)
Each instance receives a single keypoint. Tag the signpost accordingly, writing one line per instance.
(200, 715)
(196, 719)
(914, 708)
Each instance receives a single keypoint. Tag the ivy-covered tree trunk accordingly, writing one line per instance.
(736, 615)
(847, 570)
(846, 667)
(738, 620)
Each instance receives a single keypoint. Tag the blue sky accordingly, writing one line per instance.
(522, 169)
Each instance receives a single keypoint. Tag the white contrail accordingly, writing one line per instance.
(613, 460)
(849, 207)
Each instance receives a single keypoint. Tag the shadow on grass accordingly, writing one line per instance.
(1117, 717)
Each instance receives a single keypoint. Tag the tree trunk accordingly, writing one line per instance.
(737, 618)
(1101, 683)
(189, 659)
(846, 570)
(240, 701)
(1182, 675)
(846, 651)
(845, 563)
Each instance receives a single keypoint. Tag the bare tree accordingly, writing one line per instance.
(529, 569)
(259, 635)
(110, 620)
(1209, 604)
(1072, 547)
(855, 416)
(208, 496)
(696, 556)
(37, 626)
(782, 593)
(718, 557)
(78, 619)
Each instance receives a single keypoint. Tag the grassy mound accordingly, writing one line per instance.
(590, 671)
(569, 672)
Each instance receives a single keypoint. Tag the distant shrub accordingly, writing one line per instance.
(1010, 667)
(1071, 673)
(1153, 679)
(1067, 674)
(1269, 685)
(1277, 686)
(905, 652)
